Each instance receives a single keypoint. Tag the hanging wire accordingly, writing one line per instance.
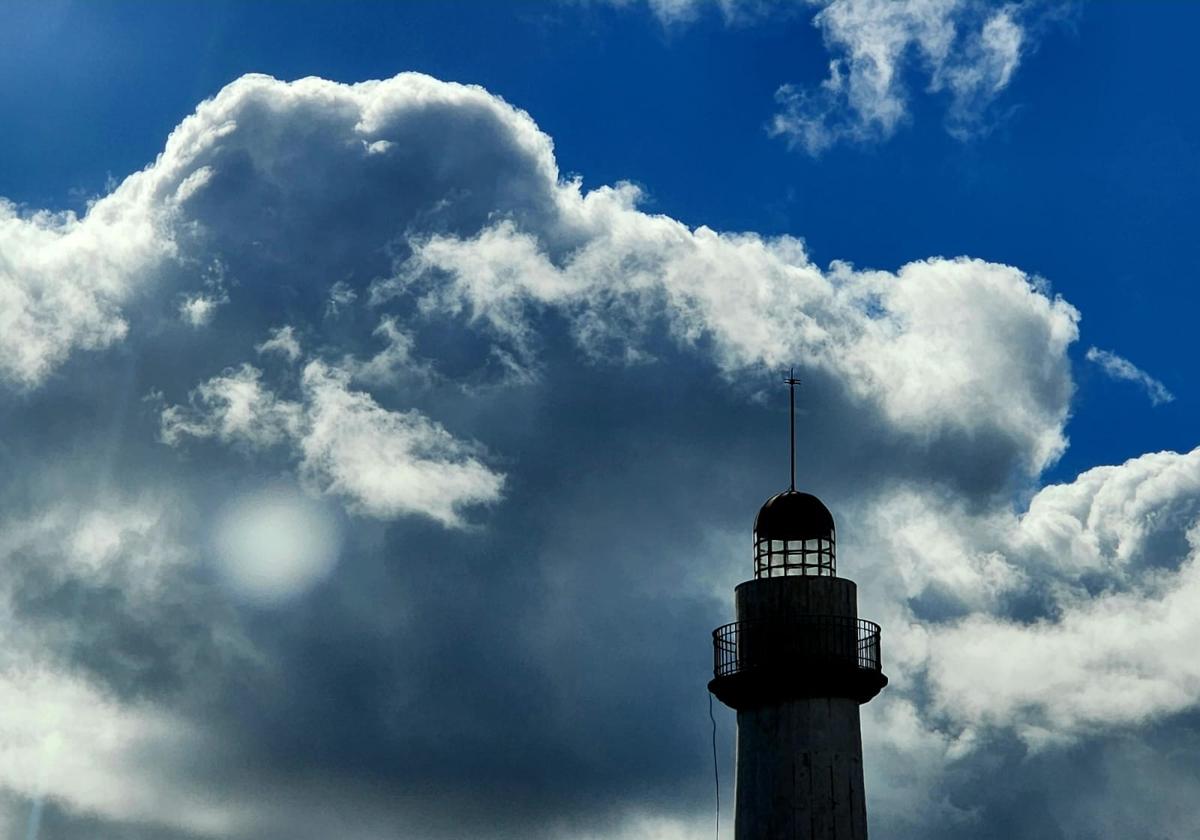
(716, 772)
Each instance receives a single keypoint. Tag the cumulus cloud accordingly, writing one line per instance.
(67, 282)
(63, 280)
(897, 341)
(388, 463)
(1123, 369)
(1110, 560)
(451, 287)
(1108, 661)
(384, 463)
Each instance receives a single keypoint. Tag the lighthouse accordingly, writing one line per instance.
(796, 665)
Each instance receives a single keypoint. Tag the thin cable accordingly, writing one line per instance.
(716, 772)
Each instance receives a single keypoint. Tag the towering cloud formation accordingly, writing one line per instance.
(485, 380)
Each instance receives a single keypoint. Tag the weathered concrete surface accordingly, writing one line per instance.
(786, 598)
(799, 772)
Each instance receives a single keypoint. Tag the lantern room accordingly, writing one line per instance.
(794, 535)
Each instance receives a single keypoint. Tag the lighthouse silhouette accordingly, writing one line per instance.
(796, 666)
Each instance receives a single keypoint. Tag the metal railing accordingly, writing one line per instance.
(818, 640)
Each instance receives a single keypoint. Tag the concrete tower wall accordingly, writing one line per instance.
(786, 598)
(799, 761)
(796, 665)
(799, 771)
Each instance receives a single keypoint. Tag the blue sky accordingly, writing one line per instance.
(389, 451)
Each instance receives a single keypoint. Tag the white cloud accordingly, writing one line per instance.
(1111, 660)
(383, 463)
(64, 740)
(969, 50)
(394, 362)
(282, 341)
(1098, 659)
(387, 463)
(341, 295)
(198, 310)
(68, 738)
(234, 408)
(959, 563)
(67, 283)
(907, 769)
(126, 545)
(940, 354)
(1119, 368)
(63, 280)
(930, 346)
(897, 341)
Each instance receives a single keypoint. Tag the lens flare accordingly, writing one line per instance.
(275, 545)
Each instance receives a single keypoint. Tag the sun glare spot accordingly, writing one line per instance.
(275, 545)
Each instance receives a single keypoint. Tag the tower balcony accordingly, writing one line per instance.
(762, 661)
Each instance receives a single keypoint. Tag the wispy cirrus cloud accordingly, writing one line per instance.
(1125, 370)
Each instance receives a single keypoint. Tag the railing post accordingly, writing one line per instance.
(741, 645)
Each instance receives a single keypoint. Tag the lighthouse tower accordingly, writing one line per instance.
(796, 665)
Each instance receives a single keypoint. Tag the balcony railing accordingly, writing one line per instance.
(812, 640)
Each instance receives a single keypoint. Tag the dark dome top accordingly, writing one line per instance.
(792, 515)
